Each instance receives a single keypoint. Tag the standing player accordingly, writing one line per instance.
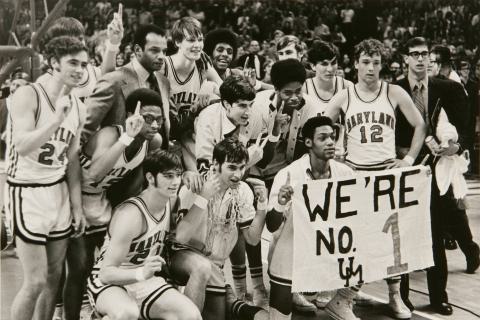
(109, 155)
(123, 283)
(369, 108)
(185, 80)
(319, 136)
(44, 176)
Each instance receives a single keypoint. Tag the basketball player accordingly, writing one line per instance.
(229, 210)
(68, 26)
(319, 138)
(44, 176)
(369, 108)
(185, 80)
(123, 283)
(109, 155)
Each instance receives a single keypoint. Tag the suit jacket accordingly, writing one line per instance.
(446, 94)
(106, 105)
(251, 63)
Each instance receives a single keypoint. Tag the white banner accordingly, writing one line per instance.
(361, 229)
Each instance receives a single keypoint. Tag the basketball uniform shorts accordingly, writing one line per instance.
(39, 213)
(145, 293)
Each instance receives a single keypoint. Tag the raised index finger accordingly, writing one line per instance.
(154, 250)
(264, 142)
(120, 11)
(245, 65)
(137, 108)
(288, 179)
(280, 110)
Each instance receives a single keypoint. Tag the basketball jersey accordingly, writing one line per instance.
(370, 128)
(157, 232)
(87, 84)
(311, 89)
(183, 92)
(48, 163)
(121, 168)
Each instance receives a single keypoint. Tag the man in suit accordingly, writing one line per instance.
(253, 60)
(430, 96)
(106, 105)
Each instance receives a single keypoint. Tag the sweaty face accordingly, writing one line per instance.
(323, 143)
(291, 95)
(326, 69)
(231, 173)
(151, 58)
(369, 67)
(418, 59)
(154, 119)
(222, 56)
(239, 112)
(191, 46)
(72, 67)
(289, 52)
(168, 182)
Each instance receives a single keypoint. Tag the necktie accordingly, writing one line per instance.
(153, 83)
(418, 99)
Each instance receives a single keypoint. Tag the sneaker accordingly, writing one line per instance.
(450, 244)
(58, 313)
(301, 304)
(340, 308)
(260, 298)
(323, 298)
(86, 312)
(398, 309)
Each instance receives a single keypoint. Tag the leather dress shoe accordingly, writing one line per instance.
(442, 308)
(473, 259)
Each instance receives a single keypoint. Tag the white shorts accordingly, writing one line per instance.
(38, 213)
(145, 293)
(97, 210)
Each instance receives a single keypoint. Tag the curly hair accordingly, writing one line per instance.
(61, 46)
(217, 36)
(64, 26)
(369, 47)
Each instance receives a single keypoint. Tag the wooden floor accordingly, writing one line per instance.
(463, 289)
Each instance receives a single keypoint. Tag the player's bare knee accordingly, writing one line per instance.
(36, 282)
(203, 270)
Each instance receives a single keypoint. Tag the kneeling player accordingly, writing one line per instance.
(123, 284)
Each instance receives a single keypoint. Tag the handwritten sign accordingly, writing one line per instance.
(361, 229)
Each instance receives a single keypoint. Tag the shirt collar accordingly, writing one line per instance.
(227, 126)
(142, 73)
(413, 82)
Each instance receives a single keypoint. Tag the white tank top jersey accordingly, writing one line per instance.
(87, 84)
(121, 168)
(311, 89)
(183, 92)
(370, 127)
(157, 232)
(48, 163)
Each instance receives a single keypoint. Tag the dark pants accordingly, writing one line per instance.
(445, 216)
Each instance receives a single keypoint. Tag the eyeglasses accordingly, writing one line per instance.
(417, 54)
(150, 118)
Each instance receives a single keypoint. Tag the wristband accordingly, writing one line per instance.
(139, 276)
(262, 206)
(273, 138)
(279, 207)
(112, 47)
(408, 160)
(125, 139)
(200, 202)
